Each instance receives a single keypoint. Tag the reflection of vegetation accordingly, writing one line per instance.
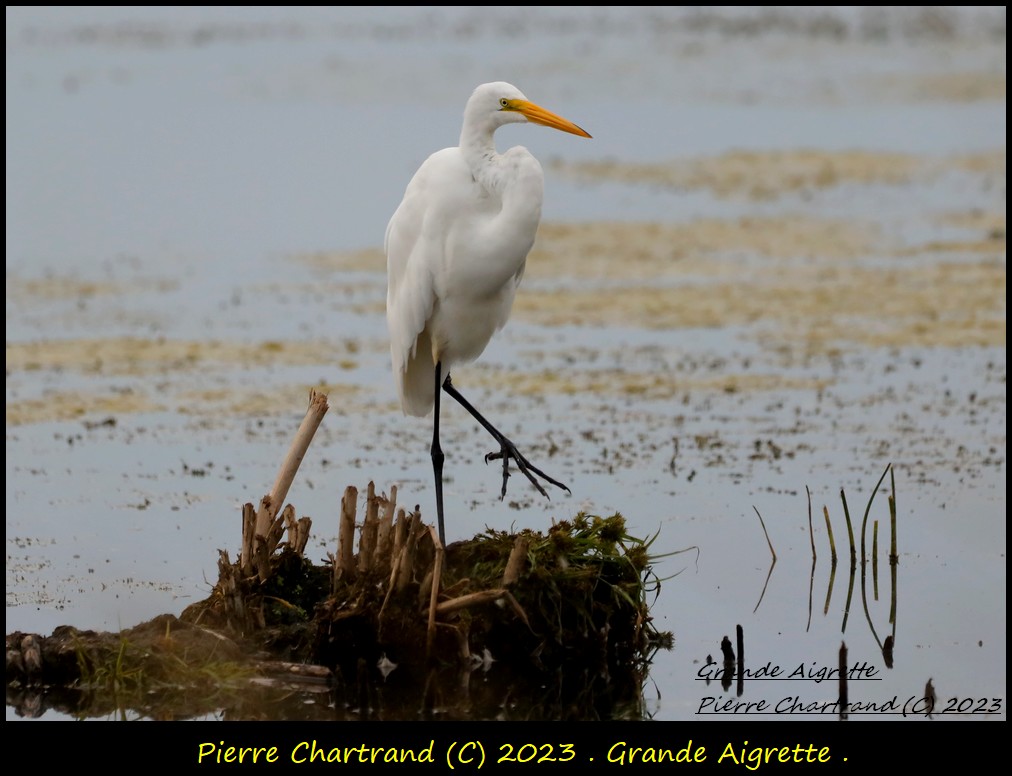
(893, 558)
(164, 669)
(843, 672)
(563, 631)
(886, 645)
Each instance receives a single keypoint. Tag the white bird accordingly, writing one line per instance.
(456, 249)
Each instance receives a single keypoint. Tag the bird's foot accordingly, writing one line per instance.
(509, 450)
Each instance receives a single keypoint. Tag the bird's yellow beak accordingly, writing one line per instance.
(539, 115)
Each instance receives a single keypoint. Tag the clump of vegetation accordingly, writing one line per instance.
(164, 668)
(559, 619)
(584, 590)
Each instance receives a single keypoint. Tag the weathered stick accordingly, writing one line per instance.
(276, 497)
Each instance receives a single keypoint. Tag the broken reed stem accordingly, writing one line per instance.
(397, 556)
(407, 560)
(310, 423)
(261, 549)
(517, 561)
(437, 576)
(345, 567)
(370, 528)
(384, 533)
(272, 502)
(288, 513)
(304, 524)
(249, 519)
(471, 599)
(286, 520)
(298, 530)
(229, 587)
(400, 534)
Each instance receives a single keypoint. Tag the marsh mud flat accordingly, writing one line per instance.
(395, 630)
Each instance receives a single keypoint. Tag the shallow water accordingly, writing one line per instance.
(779, 265)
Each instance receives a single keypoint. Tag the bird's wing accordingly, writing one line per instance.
(413, 258)
(410, 299)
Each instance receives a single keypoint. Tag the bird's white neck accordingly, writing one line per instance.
(514, 177)
(478, 147)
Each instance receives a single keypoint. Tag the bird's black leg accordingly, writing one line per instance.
(507, 449)
(437, 458)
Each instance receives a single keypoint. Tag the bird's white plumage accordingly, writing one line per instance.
(458, 243)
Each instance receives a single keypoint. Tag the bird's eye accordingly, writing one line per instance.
(504, 102)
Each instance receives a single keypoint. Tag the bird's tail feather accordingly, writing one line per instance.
(416, 379)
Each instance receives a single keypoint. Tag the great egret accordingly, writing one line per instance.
(456, 249)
